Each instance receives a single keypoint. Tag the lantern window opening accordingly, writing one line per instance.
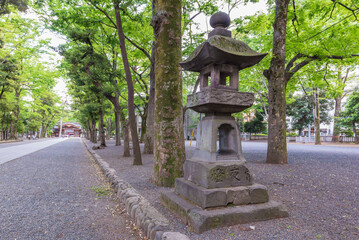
(225, 144)
(207, 80)
(225, 79)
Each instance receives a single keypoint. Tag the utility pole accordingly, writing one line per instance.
(60, 133)
(62, 112)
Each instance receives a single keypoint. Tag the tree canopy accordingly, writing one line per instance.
(28, 102)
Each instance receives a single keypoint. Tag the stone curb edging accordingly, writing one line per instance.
(154, 225)
(10, 141)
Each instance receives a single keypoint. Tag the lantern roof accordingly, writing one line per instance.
(222, 50)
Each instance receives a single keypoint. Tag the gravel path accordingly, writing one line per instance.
(319, 186)
(59, 193)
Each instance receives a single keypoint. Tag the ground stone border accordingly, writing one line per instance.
(154, 225)
(11, 141)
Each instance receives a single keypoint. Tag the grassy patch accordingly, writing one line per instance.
(100, 191)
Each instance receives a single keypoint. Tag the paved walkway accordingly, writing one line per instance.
(58, 193)
(20, 150)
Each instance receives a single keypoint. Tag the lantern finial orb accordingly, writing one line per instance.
(220, 19)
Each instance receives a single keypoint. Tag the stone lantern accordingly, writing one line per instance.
(217, 189)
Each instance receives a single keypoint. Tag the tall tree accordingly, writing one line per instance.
(169, 140)
(310, 31)
(150, 122)
(311, 85)
(277, 146)
(23, 74)
(300, 110)
(96, 15)
(350, 117)
(130, 91)
(338, 83)
(101, 127)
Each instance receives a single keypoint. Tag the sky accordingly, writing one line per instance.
(242, 10)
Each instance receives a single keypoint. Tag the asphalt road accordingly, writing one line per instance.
(11, 144)
(58, 193)
(16, 151)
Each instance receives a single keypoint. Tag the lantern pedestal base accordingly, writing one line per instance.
(203, 220)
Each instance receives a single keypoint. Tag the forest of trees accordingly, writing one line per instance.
(28, 103)
(120, 60)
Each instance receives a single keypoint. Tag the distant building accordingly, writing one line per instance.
(68, 129)
(323, 132)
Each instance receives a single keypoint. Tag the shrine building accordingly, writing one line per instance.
(69, 129)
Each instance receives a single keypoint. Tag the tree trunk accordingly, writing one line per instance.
(277, 145)
(13, 129)
(94, 132)
(13, 132)
(150, 131)
(108, 127)
(48, 124)
(89, 132)
(43, 131)
(356, 138)
(336, 127)
(300, 132)
(8, 127)
(117, 128)
(101, 129)
(130, 96)
(126, 140)
(169, 152)
(316, 117)
(116, 103)
(118, 111)
(2, 127)
(143, 125)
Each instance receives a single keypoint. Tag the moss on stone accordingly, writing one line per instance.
(232, 46)
(218, 174)
(216, 222)
(225, 44)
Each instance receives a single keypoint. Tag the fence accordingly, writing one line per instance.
(341, 139)
(258, 138)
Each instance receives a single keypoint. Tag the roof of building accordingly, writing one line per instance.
(75, 124)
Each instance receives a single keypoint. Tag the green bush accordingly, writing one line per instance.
(259, 135)
(347, 133)
(292, 134)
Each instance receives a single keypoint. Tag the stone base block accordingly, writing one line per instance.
(217, 174)
(221, 197)
(221, 128)
(202, 220)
